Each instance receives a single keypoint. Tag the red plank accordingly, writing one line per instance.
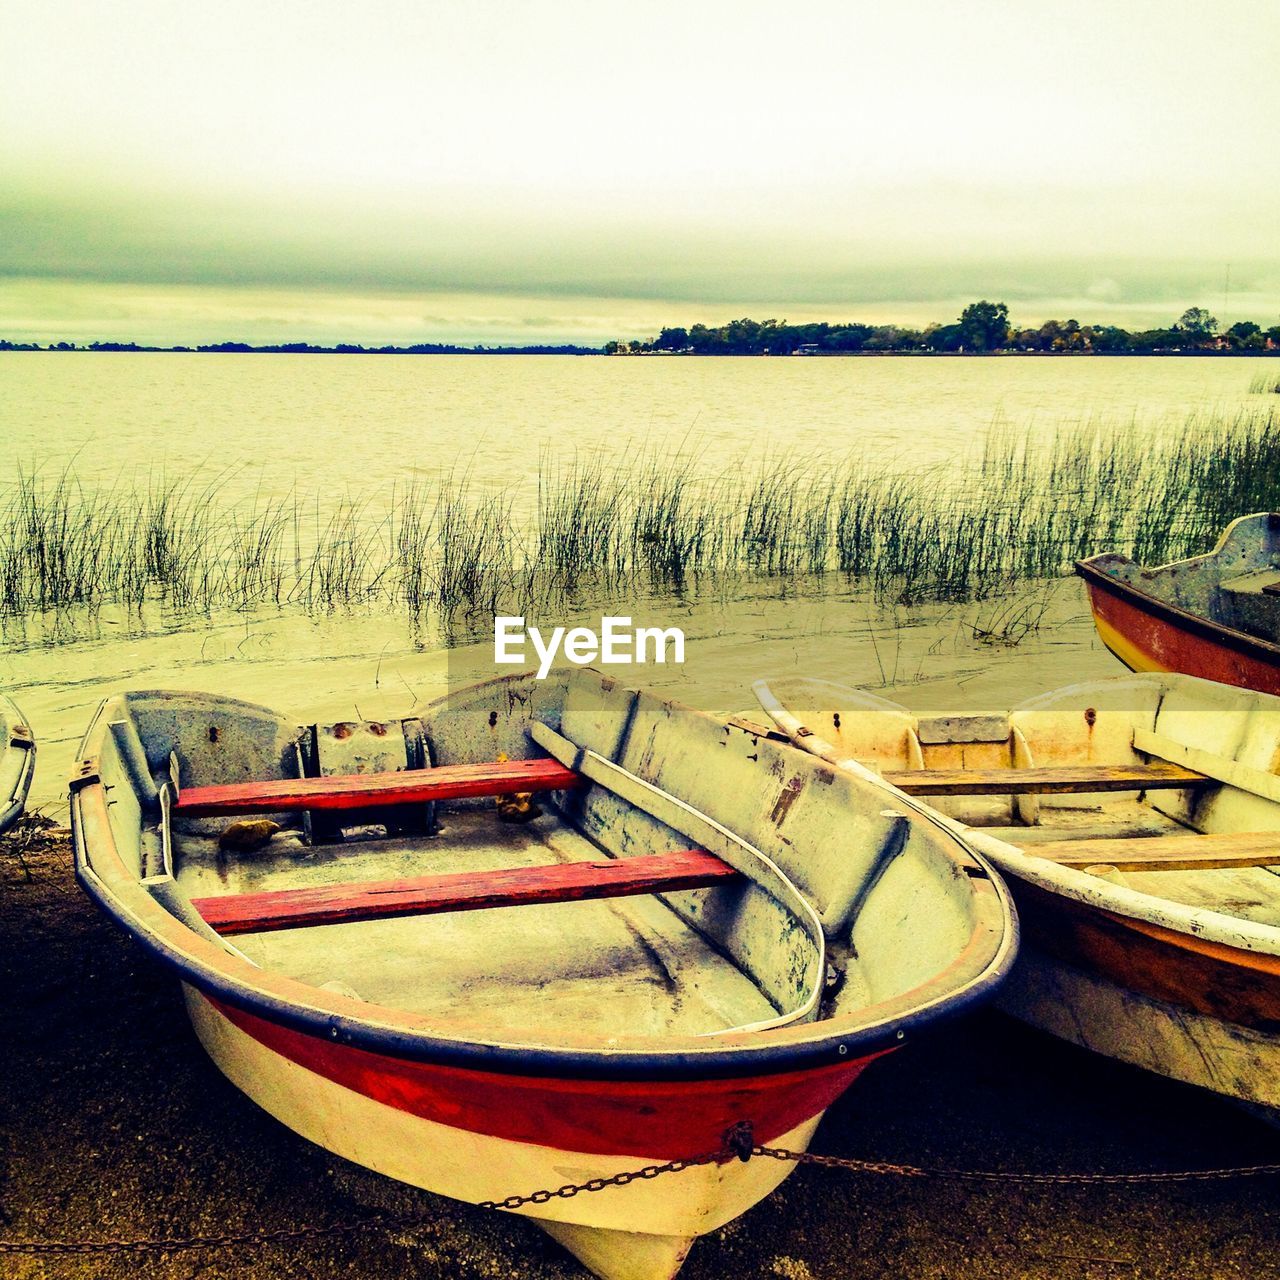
(359, 790)
(466, 891)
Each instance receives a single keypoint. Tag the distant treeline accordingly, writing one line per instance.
(309, 349)
(982, 328)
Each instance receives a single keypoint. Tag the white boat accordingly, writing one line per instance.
(782, 927)
(1137, 820)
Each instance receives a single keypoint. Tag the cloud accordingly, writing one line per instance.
(1104, 290)
(181, 265)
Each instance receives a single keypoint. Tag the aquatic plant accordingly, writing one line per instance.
(1018, 508)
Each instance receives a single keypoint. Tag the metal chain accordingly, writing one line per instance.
(736, 1144)
(572, 1189)
(1035, 1179)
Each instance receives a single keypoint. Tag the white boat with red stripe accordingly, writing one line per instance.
(388, 943)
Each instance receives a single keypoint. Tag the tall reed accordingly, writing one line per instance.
(1017, 508)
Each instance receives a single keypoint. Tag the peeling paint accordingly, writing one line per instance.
(786, 798)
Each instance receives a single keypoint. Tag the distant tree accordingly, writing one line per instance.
(1197, 322)
(672, 340)
(1110, 339)
(984, 326)
(1050, 336)
(701, 339)
(1244, 335)
(742, 337)
(947, 337)
(840, 337)
(1150, 340)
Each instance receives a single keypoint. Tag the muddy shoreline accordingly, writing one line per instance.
(116, 1126)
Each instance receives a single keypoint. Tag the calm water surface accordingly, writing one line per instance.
(321, 424)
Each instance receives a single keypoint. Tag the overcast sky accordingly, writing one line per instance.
(553, 170)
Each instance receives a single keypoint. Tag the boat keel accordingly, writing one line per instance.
(621, 1255)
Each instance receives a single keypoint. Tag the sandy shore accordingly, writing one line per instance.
(116, 1125)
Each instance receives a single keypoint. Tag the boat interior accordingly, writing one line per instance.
(1236, 585)
(643, 869)
(1163, 783)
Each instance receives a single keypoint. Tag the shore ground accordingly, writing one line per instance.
(115, 1125)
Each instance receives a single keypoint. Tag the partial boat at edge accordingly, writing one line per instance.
(1137, 820)
(1215, 616)
(17, 762)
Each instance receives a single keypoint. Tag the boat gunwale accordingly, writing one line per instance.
(11, 717)
(1197, 924)
(972, 974)
(1231, 637)
(1125, 901)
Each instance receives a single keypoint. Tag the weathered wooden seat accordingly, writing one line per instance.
(1053, 779)
(360, 790)
(1189, 852)
(465, 891)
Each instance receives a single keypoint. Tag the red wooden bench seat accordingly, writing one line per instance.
(465, 891)
(361, 790)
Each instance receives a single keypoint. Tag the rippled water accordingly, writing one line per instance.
(327, 426)
(321, 424)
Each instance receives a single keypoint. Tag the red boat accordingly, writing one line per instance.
(713, 930)
(1215, 616)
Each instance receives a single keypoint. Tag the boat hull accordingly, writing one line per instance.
(1147, 635)
(1108, 1018)
(1193, 1010)
(1181, 978)
(451, 1074)
(469, 1135)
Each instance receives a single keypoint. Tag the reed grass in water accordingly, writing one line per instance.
(1018, 509)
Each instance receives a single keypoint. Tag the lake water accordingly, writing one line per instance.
(321, 424)
(324, 427)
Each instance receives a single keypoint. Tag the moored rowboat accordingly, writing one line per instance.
(1216, 616)
(703, 928)
(1138, 823)
(17, 762)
